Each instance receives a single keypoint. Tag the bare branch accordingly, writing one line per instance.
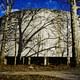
(37, 44)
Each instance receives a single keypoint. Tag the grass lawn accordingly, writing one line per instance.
(33, 68)
(28, 77)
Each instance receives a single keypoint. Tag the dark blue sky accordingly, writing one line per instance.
(51, 4)
(31, 4)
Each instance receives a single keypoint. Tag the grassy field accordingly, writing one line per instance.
(35, 68)
(32, 68)
(28, 77)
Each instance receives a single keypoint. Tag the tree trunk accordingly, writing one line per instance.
(1, 42)
(73, 61)
(20, 40)
(15, 47)
(5, 32)
(4, 40)
(29, 60)
(68, 56)
(45, 60)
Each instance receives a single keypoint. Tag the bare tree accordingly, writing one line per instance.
(30, 28)
(73, 25)
(6, 5)
(37, 32)
(26, 37)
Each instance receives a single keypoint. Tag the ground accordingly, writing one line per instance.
(52, 72)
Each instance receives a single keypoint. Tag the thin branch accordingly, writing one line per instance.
(45, 25)
(37, 44)
(29, 23)
(42, 50)
(31, 31)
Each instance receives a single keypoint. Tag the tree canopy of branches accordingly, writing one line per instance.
(39, 32)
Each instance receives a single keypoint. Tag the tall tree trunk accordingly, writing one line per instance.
(73, 61)
(5, 34)
(1, 42)
(15, 46)
(20, 40)
(68, 56)
(5, 31)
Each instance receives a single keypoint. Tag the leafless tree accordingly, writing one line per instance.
(37, 32)
(34, 42)
(6, 5)
(73, 24)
